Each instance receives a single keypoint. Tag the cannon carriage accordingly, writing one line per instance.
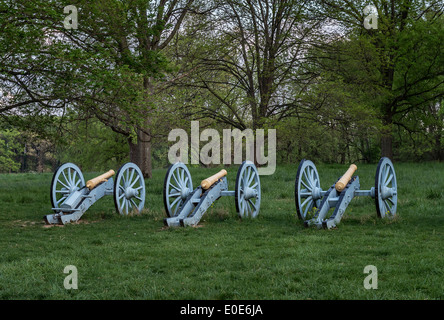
(185, 205)
(71, 197)
(313, 204)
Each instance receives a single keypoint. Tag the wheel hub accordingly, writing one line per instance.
(387, 192)
(130, 193)
(184, 193)
(316, 193)
(250, 193)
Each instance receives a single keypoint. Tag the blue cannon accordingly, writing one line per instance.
(185, 205)
(71, 196)
(313, 204)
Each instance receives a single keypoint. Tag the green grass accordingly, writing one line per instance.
(271, 257)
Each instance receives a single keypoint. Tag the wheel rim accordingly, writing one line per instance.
(67, 179)
(177, 186)
(386, 196)
(307, 189)
(248, 190)
(129, 189)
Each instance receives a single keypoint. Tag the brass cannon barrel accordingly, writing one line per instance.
(91, 184)
(208, 182)
(342, 183)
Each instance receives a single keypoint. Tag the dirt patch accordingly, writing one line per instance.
(24, 223)
(79, 222)
(200, 225)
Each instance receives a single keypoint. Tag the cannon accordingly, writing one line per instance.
(313, 203)
(71, 196)
(185, 205)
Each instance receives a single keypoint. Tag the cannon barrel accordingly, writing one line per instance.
(91, 184)
(208, 182)
(340, 185)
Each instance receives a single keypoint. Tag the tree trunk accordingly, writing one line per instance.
(23, 160)
(387, 135)
(145, 148)
(40, 159)
(438, 148)
(140, 153)
(135, 154)
(387, 145)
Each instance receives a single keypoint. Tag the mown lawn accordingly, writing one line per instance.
(271, 257)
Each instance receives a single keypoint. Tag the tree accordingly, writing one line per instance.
(106, 68)
(250, 62)
(406, 52)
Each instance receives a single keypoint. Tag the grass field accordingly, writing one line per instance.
(271, 257)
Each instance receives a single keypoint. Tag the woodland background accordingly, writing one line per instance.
(111, 90)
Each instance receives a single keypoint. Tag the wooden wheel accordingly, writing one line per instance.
(67, 179)
(129, 189)
(177, 186)
(248, 190)
(307, 189)
(386, 195)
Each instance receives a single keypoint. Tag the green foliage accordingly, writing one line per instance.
(93, 147)
(328, 143)
(89, 71)
(330, 96)
(396, 70)
(9, 147)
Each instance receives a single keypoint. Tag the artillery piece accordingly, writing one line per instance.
(313, 204)
(71, 197)
(185, 206)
